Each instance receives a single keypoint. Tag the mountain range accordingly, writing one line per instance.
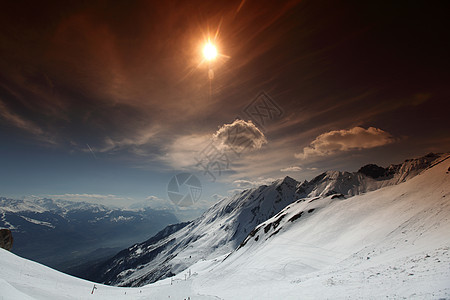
(70, 236)
(232, 222)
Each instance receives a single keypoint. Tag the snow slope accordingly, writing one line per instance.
(22, 279)
(393, 242)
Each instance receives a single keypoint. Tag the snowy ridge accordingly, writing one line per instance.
(218, 231)
(43, 204)
(37, 222)
(223, 227)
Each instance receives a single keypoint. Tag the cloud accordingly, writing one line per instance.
(93, 198)
(356, 138)
(291, 169)
(135, 141)
(184, 151)
(420, 98)
(244, 183)
(217, 197)
(155, 203)
(24, 124)
(239, 136)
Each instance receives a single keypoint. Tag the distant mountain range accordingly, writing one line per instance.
(232, 222)
(70, 236)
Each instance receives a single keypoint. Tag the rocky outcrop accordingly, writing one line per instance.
(6, 239)
(373, 171)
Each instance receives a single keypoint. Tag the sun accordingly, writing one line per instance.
(209, 51)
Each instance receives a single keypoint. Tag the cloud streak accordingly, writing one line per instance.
(291, 169)
(245, 183)
(356, 138)
(18, 121)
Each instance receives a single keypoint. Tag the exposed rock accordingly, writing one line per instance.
(338, 196)
(373, 171)
(6, 239)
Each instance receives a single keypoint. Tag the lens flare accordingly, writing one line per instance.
(210, 51)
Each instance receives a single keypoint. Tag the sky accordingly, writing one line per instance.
(106, 101)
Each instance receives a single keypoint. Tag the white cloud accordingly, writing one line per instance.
(94, 198)
(183, 151)
(186, 151)
(239, 136)
(217, 197)
(291, 169)
(244, 183)
(356, 138)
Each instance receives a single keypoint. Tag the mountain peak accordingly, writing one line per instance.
(288, 180)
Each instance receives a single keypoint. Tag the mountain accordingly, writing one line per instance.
(223, 227)
(218, 231)
(66, 234)
(391, 243)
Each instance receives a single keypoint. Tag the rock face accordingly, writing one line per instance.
(373, 171)
(6, 239)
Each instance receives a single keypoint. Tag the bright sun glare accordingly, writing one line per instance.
(210, 51)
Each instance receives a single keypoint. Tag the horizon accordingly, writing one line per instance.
(189, 213)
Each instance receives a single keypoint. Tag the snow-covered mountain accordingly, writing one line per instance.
(218, 231)
(391, 243)
(223, 227)
(66, 234)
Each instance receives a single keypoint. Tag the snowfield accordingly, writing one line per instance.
(393, 243)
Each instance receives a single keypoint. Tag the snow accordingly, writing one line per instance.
(389, 243)
(37, 222)
(122, 219)
(42, 205)
(393, 243)
(24, 279)
(6, 223)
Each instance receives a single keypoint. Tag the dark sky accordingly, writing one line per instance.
(107, 100)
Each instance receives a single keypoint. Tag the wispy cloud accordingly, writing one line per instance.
(138, 139)
(291, 169)
(243, 183)
(93, 198)
(182, 152)
(335, 141)
(20, 122)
